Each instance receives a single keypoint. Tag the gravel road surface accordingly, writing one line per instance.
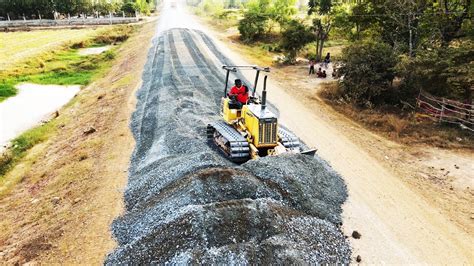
(185, 203)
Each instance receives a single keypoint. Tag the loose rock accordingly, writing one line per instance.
(55, 200)
(89, 130)
(356, 235)
(186, 204)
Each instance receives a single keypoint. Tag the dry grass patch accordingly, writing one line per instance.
(398, 124)
(18, 46)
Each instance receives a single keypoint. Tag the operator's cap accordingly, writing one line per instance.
(238, 81)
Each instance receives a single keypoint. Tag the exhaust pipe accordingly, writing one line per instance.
(264, 93)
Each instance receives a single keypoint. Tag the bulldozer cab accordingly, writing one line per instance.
(231, 107)
(234, 69)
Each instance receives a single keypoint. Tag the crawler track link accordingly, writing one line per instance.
(232, 144)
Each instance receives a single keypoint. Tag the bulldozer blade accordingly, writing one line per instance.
(310, 152)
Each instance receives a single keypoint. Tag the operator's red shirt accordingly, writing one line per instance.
(242, 93)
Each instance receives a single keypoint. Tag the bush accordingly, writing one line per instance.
(227, 15)
(368, 70)
(294, 38)
(443, 71)
(109, 55)
(80, 44)
(331, 90)
(116, 35)
(7, 89)
(252, 26)
(129, 8)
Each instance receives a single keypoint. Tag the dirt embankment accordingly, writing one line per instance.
(71, 185)
(185, 203)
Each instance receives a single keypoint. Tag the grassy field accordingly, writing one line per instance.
(62, 65)
(18, 46)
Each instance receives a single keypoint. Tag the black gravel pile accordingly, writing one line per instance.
(185, 203)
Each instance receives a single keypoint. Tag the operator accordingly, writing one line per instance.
(241, 91)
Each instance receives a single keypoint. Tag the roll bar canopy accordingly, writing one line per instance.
(235, 68)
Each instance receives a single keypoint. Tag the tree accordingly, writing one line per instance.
(400, 23)
(255, 20)
(443, 20)
(31, 9)
(281, 11)
(368, 69)
(322, 23)
(444, 71)
(15, 9)
(294, 38)
(129, 8)
(360, 18)
(252, 26)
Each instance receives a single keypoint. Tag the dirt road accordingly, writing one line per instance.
(397, 225)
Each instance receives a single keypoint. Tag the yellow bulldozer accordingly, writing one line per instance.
(251, 130)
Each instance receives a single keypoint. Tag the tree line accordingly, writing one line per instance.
(396, 48)
(17, 9)
(422, 45)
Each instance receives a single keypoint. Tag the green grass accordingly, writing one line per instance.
(66, 77)
(7, 89)
(22, 144)
(63, 67)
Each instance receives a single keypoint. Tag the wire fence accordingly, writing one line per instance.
(447, 111)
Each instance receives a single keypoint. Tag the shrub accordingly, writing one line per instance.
(80, 44)
(115, 35)
(331, 90)
(252, 26)
(294, 38)
(367, 70)
(7, 89)
(109, 55)
(443, 71)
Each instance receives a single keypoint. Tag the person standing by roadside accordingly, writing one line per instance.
(327, 60)
(311, 67)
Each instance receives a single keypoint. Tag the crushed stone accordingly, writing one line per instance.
(185, 203)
